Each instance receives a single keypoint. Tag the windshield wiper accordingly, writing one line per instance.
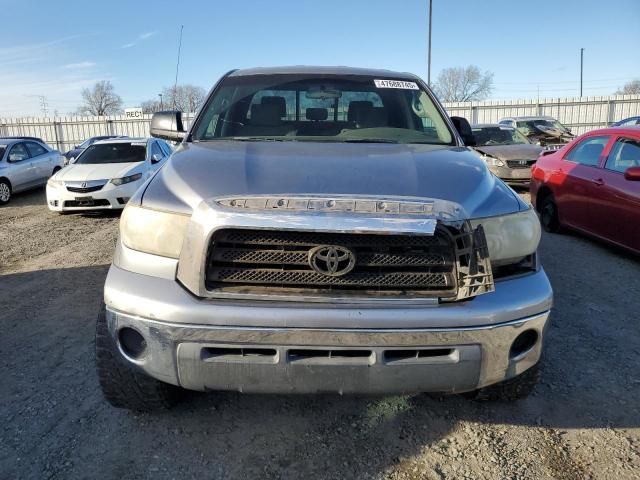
(262, 139)
(247, 139)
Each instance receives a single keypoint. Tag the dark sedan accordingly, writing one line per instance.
(75, 151)
(506, 151)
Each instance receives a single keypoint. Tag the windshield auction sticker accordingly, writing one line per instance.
(396, 84)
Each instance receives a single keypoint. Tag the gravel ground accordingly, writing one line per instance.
(583, 420)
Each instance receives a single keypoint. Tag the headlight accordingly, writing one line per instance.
(129, 179)
(151, 231)
(52, 182)
(511, 237)
(492, 161)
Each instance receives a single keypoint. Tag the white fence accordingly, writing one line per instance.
(580, 114)
(63, 133)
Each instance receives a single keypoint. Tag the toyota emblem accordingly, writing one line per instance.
(332, 260)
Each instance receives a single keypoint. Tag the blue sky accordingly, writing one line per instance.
(55, 48)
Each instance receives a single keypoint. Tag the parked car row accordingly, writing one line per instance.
(511, 147)
(591, 184)
(109, 168)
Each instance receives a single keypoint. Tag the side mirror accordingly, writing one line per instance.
(167, 125)
(464, 129)
(156, 157)
(632, 174)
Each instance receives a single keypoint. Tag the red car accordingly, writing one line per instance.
(592, 185)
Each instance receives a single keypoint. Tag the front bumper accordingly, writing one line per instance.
(512, 175)
(203, 344)
(110, 197)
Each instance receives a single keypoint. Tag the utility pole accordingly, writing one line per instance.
(175, 85)
(43, 105)
(429, 47)
(581, 68)
(161, 107)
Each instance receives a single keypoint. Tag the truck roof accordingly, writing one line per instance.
(327, 70)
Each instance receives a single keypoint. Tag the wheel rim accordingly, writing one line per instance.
(5, 193)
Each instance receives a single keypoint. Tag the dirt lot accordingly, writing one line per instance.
(582, 422)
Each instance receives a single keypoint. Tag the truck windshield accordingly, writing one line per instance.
(113, 153)
(486, 136)
(328, 108)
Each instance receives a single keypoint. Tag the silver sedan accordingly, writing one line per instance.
(25, 163)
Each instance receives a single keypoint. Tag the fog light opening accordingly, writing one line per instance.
(523, 343)
(132, 343)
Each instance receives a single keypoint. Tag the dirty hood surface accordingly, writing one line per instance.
(200, 171)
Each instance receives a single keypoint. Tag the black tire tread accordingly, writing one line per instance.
(515, 388)
(123, 386)
(555, 225)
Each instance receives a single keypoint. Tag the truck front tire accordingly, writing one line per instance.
(122, 385)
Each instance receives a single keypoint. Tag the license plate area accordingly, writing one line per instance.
(85, 201)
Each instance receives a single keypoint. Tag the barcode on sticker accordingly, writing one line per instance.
(396, 84)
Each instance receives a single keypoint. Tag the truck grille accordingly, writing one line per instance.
(245, 260)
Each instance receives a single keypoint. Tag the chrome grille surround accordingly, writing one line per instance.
(473, 275)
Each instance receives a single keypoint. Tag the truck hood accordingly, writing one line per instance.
(202, 171)
(512, 152)
(105, 171)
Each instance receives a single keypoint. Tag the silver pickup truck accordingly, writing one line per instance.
(322, 230)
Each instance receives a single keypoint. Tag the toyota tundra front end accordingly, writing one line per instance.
(322, 230)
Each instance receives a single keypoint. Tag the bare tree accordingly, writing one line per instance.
(186, 98)
(463, 84)
(151, 106)
(101, 99)
(630, 88)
